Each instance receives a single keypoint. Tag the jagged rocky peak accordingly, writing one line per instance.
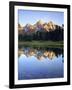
(27, 25)
(51, 25)
(40, 22)
(20, 27)
(41, 26)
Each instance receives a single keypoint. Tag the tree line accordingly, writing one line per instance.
(56, 35)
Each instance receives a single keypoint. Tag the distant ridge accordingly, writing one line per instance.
(40, 25)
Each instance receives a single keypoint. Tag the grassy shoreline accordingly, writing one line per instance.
(54, 44)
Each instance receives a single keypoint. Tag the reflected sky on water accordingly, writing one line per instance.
(39, 63)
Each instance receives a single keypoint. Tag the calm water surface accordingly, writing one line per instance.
(39, 63)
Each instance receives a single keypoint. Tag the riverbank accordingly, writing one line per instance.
(42, 44)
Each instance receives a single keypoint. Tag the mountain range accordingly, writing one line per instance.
(39, 26)
(41, 31)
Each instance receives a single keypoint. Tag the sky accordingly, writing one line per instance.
(32, 16)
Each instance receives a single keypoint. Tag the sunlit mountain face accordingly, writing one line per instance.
(41, 31)
(40, 25)
(41, 53)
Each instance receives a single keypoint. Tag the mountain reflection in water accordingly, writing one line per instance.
(36, 63)
(40, 53)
